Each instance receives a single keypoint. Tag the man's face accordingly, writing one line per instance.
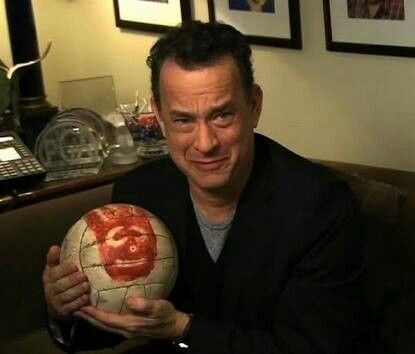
(259, 2)
(208, 120)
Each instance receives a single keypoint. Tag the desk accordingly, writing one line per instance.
(26, 195)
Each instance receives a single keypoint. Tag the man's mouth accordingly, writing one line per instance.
(209, 164)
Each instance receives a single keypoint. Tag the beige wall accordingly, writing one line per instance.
(338, 106)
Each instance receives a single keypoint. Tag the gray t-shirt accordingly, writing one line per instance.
(214, 234)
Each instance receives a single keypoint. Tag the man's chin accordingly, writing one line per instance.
(212, 182)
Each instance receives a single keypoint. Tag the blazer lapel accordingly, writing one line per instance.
(171, 201)
(251, 237)
(178, 215)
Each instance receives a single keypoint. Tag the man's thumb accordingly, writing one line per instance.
(52, 258)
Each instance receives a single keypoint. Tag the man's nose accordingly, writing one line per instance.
(206, 139)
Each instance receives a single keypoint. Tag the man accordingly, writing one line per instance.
(270, 257)
(376, 9)
(252, 5)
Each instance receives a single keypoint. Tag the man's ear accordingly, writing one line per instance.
(256, 107)
(157, 111)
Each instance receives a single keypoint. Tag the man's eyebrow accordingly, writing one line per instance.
(224, 106)
(179, 113)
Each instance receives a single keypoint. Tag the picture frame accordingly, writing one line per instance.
(145, 15)
(352, 32)
(279, 25)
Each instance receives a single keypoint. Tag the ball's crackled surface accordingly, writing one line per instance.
(124, 250)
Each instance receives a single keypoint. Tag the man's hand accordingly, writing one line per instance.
(155, 319)
(66, 289)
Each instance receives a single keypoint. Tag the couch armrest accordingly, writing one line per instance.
(27, 233)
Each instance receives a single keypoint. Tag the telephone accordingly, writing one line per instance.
(17, 163)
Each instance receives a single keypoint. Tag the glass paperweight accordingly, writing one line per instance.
(123, 152)
(71, 146)
(93, 120)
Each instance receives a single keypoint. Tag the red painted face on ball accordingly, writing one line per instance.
(127, 243)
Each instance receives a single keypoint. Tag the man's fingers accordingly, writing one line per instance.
(66, 289)
(160, 324)
(74, 292)
(108, 318)
(63, 270)
(55, 270)
(126, 322)
(139, 340)
(97, 323)
(70, 281)
(147, 307)
(70, 307)
(52, 258)
(140, 305)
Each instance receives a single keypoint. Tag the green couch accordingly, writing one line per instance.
(27, 233)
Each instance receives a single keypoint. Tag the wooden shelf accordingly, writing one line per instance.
(36, 192)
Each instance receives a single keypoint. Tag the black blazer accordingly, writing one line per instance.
(292, 263)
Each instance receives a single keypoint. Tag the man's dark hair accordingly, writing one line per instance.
(195, 45)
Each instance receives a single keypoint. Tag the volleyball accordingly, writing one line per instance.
(124, 250)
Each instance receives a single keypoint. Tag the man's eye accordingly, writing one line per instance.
(181, 120)
(183, 124)
(223, 118)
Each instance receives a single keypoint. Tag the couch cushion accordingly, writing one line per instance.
(39, 342)
(26, 235)
(389, 223)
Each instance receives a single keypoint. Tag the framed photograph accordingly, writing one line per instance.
(382, 27)
(151, 15)
(265, 22)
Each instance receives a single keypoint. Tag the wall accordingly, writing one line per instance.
(336, 106)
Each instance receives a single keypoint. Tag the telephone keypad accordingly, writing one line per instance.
(17, 162)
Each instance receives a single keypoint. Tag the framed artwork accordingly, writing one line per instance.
(382, 27)
(265, 22)
(151, 15)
